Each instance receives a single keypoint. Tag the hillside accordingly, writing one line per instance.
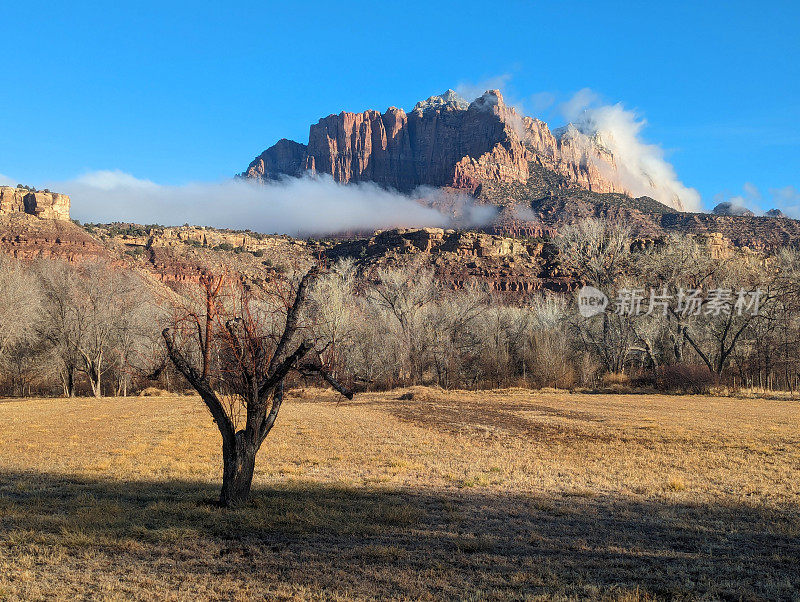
(508, 262)
(512, 255)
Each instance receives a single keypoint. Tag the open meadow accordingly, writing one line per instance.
(510, 494)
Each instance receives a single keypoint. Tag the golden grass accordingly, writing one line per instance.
(506, 494)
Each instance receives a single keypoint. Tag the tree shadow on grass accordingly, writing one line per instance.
(304, 539)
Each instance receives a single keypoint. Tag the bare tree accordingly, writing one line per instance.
(236, 353)
(406, 293)
(87, 309)
(548, 345)
(452, 332)
(597, 251)
(107, 304)
(334, 311)
(60, 324)
(19, 303)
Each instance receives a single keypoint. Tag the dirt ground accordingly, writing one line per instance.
(509, 494)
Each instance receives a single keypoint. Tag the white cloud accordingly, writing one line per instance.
(787, 199)
(7, 181)
(297, 206)
(750, 198)
(540, 102)
(641, 167)
(787, 194)
(574, 108)
(752, 191)
(114, 180)
(470, 91)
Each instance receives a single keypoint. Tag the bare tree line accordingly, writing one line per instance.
(94, 329)
(400, 326)
(73, 326)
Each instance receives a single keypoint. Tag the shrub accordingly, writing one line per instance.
(153, 392)
(588, 370)
(686, 378)
(643, 380)
(550, 365)
(616, 378)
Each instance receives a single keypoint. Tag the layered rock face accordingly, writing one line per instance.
(25, 237)
(442, 142)
(47, 205)
(505, 264)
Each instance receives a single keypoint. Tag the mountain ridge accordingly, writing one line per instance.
(443, 142)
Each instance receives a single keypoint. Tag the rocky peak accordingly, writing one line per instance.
(774, 213)
(447, 101)
(284, 158)
(567, 132)
(489, 100)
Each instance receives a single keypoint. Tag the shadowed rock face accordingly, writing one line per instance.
(285, 158)
(443, 142)
(47, 205)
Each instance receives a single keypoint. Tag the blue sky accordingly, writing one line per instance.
(177, 92)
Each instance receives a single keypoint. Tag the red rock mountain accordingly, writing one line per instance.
(444, 142)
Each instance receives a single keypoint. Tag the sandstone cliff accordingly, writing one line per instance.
(443, 142)
(44, 204)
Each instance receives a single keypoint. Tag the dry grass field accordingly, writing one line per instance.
(507, 494)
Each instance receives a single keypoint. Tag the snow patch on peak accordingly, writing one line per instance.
(448, 100)
(489, 99)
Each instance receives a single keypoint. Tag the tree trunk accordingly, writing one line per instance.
(239, 459)
(68, 382)
(94, 382)
(94, 374)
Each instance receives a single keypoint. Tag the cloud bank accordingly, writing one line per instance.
(296, 206)
(641, 167)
